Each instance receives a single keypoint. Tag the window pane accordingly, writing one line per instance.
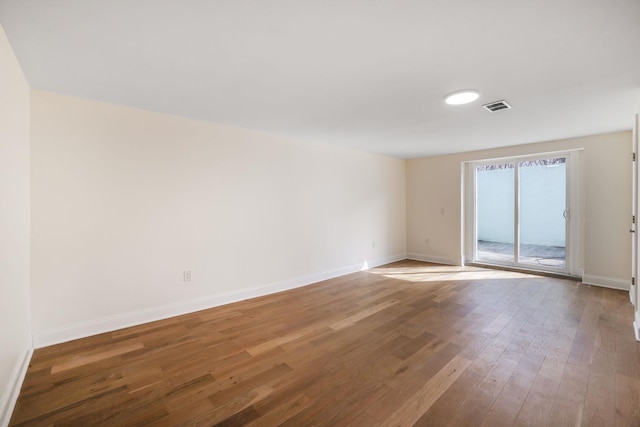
(542, 207)
(495, 213)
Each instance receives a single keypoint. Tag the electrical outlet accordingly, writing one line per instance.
(373, 244)
(426, 240)
(186, 275)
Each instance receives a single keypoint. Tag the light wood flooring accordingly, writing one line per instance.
(406, 344)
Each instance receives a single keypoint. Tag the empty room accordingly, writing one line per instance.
(319, 213)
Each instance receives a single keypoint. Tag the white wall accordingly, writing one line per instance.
(124, 200)
(15, 329)
(434, 184)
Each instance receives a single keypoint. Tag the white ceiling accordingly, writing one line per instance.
(365, 74)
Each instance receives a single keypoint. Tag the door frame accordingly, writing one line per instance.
(634, 213)
(573, 233)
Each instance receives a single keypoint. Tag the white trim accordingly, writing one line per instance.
(606, 282)
(534, 156)
(433, 258)
(575, 219)
(633, 290)
(125, 320)
(11, 393)
(468, 211)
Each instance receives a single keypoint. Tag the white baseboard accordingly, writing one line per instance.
(10, 394)
(636, 329)
(434, 259)
(112, 323)
(606, 282)
(385, 260)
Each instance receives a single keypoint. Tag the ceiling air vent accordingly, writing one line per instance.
(497, 106)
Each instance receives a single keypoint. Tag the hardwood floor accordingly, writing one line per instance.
(406, 344)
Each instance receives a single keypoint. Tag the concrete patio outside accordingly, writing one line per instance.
(533, 255)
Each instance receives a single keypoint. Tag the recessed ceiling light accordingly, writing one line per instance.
(462, 97)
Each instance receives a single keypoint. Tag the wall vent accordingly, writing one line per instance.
(497, 106)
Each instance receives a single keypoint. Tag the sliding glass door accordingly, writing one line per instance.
(521, 212)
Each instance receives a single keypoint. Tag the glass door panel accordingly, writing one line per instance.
(542, 210)
(495, 213)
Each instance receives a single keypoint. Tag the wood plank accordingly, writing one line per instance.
(91, 358)
(344, 323)
(282, 412)
(409, 343)
(420, 402)
(627, 401)
(537, 407)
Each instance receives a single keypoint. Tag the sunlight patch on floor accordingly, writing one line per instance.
(435, 273)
